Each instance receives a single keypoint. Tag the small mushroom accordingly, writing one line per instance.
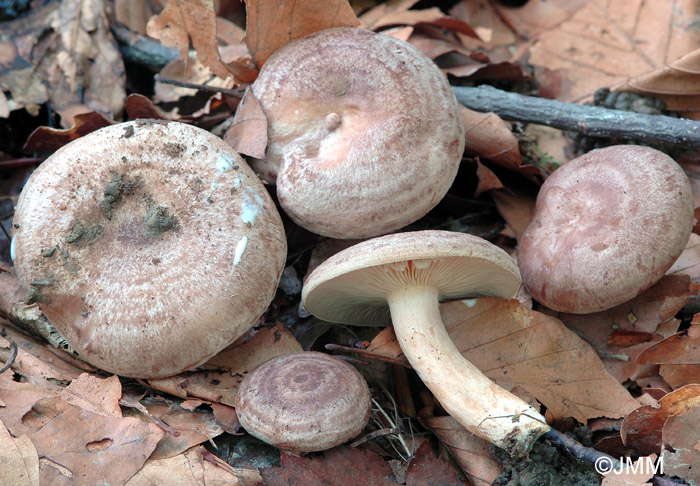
(166, 246)
(402, 278)
(364, 133)
(607, 226)
(304, 402)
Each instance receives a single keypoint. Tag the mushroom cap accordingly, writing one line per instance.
(304, 402)
(153, 244)
(364, 133)
(607, 225)
(352, 286)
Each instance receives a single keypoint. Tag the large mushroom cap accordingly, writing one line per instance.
(365, 134)
(607, 225)
(304, 402)
(352, 286)
(150, 246)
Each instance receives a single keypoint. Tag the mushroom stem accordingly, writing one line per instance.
(470, 397)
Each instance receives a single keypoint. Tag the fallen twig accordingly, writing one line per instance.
(588, 120)
(13, 352)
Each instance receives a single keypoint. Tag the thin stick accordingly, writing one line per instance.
(588, 120)
(235, 92)
(13, 353)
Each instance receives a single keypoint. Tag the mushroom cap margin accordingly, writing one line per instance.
(351, 287)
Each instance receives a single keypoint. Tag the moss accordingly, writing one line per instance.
(114, 191)
(545, 466)
(83, 233)
(158, 220)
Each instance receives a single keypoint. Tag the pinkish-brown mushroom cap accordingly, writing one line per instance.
(304, 402)
(150, 246)
(365, 134)
(607, 225)
(352, 286)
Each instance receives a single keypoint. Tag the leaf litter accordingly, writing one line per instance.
(60, 415)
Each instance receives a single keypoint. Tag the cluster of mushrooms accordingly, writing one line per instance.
(151, 246)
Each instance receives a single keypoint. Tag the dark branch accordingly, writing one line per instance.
(588, 120)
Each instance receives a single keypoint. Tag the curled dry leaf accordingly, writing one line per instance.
(248, 132)
(642, 428)
(677, 84)
(487, 179)
(47, 139)
(474, 455)
(489, 137)
(681, 445)
(271, 24)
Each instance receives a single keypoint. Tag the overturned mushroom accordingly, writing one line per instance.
(402, 278)
(607, 225)
(304, 402)
(150, 246)
(365, 134)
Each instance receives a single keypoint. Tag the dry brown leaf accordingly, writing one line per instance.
(47, 139)
(652, 312)
(265, 344)
(187, 428)
(516, 207)
(133, 14)
(19, 460)
(427, 467)
(677, 349)
(489, 137)
(678, 376)
(677, 83)
(386, 347)
(605, 43)
(399, 13)
(182, 21)
(271, 24)
(642, 428)
(247, 134)
(92, 447)
(189, 468)
(638, 474)
(537, 353)
(339, 466)
(226, 417)
(94, 394)
(483, 16)
(139, 106)
(681, 446)
(36, 361)
(537, 16)
(487, 179)
(688, 262)
(474, 455)
(65, 56)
